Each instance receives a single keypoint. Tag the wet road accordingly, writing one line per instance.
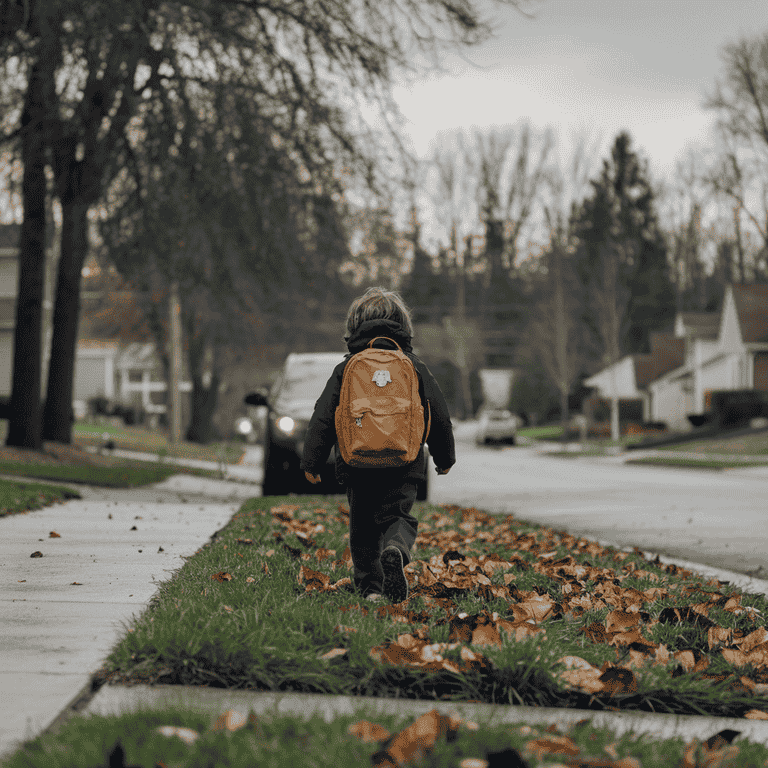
(716, 518)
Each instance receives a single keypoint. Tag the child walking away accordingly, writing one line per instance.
(377, 410)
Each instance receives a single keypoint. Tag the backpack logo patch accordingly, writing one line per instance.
(381, 378)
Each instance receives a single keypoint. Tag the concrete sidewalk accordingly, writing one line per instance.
(62, 613)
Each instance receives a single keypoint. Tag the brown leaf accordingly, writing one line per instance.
(486, 634)
(313, 579)
(719, 636)
(36, 554)
(244, 541)
(580, 674)
(221, 576)
(417, 740)
(619, 621)
(617, 680)
(756, 714)
(368, 732)
(552, 745)
(54, 535)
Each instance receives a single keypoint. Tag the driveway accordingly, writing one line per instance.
(715, 518)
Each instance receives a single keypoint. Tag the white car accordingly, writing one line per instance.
(496, 425)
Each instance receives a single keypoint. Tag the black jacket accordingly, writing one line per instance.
(321, 433)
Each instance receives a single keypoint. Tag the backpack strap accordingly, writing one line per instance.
(384, 337)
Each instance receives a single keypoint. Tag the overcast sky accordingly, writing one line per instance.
(600, 65)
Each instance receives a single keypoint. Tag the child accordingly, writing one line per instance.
(381, 528)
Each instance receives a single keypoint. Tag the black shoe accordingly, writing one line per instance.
(395, 585)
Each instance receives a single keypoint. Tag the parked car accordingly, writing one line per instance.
(497, 426)
(289, 406)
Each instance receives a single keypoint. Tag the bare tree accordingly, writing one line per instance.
(740, 100)
(554, 331)
(306, 71)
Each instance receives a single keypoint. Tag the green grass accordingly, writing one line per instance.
(24, 497)
(545, 432)
(124, 475)
(755, 444)
(288, 741)
(694, 463)
(138, 438)
(262, 630)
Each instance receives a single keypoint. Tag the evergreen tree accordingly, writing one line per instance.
(622, 256)
(422, 289)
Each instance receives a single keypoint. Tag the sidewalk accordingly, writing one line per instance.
(61, 614)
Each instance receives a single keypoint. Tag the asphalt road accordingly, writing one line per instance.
(715, 518)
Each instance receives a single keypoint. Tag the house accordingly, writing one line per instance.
(706, 351)
(735, 358)
(629, 378)
(127, 374)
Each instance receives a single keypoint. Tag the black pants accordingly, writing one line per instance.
(379, 518)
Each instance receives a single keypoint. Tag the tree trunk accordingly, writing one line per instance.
(204, 402)
(25, 427)
(57, 417)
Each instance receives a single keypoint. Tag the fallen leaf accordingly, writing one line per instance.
(368, 732)
(54, 535)
(221, 576)
(76, 583)
(756, 714)
(416, 741)
(231, 720)
(249, 579)
(36, 554)
(555, 745)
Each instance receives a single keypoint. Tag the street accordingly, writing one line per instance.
(714, 518)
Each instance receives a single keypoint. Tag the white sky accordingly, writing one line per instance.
(600, 65)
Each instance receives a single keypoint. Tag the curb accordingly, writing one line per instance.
(112, 701)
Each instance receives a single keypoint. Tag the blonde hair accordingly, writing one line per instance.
(379, 304)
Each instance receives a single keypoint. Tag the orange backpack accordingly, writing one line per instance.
(380, 418)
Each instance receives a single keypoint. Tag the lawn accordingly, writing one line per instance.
(25, 497)
(500, 611)
(710, 462)
(755, 444)
(184, 737)
(138, 438)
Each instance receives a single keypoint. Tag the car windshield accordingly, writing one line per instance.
(304, 389)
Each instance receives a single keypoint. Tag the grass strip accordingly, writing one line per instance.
(25, 497)
(694, 463)
(176, 736)
(500, 611)
(137, 438)
(125, 475)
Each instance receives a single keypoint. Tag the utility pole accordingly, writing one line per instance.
(174, 399)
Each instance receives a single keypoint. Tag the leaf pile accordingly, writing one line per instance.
(636, 599)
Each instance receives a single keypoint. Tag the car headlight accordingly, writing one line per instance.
(244, 426)
(286, 424)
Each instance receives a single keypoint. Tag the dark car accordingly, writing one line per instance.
(289, 405)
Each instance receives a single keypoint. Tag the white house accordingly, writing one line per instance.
(736, 358)
(130, 374)
(724, 350)
(629, 378)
